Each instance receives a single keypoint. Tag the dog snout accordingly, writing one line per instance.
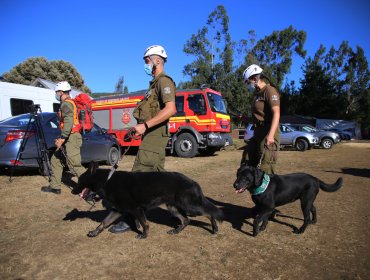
(236, 184)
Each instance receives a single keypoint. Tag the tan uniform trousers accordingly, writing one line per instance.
(255, 149)
(72, 148)
(152, 151)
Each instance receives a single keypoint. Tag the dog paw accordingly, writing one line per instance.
(173, 231)
(93, 233)
(141, 236)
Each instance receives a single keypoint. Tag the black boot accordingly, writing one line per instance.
(50, 189)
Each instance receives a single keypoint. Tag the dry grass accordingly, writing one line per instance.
(43, 236)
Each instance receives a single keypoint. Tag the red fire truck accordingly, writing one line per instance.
(201, 124)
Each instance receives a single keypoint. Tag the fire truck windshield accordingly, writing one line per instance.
(217, 103)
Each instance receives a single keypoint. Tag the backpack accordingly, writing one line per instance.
(82, 102)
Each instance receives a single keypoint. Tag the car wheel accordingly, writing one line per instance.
(327, 143)
(301, 145)
(113, 156)
(186, 145)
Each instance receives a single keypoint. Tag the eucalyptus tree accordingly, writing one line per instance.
(213, 51)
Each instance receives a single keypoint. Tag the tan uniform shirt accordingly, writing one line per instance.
(66, 109)
(161, 90)
(266, 98)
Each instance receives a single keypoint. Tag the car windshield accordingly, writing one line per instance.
(308, 128)
(217, 103)
(286, 128)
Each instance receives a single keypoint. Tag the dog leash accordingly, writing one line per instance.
(91, 197)
(268, 148)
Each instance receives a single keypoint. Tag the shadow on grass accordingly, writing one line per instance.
(360, 172)
(156, 215)
(238, 215)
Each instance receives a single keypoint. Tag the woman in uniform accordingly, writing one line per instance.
(261, 150)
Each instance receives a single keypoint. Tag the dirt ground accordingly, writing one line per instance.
(43, 236)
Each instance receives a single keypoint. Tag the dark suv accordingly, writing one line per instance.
(326, 138)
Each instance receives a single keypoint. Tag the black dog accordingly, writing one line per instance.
(136, 192)
(280, 190)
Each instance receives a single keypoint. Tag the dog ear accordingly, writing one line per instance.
(258, 176)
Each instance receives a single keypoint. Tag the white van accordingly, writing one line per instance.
(16, 99)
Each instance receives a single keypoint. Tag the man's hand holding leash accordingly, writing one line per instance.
(59, 142)
(140, 129)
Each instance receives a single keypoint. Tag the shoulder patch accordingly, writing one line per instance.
(167, 90)
(66, 108)
(274, 97)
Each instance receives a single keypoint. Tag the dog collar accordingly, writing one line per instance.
(263, 186)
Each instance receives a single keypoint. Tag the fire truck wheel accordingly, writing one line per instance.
(113, 156)
(186, 145)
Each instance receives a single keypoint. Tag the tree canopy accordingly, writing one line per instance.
(335, 83)
(39, 67)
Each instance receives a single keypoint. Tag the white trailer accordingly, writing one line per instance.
(16, 99)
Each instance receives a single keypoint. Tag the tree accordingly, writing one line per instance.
(213, 50)
(39, 67)
(274, 53)
(289, 98)
(336, 84)
(357, 86)
(119, 86)
(317, 93)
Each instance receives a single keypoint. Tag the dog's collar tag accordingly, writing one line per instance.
(263, 186)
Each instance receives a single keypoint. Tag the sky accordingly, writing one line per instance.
(105, 40)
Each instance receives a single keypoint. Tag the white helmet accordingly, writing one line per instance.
(157, 50)
(251, 70)
(63, 86)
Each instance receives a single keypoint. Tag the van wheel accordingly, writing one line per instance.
(113, 156)
(327, 143)
(186, 145)
(301, 145)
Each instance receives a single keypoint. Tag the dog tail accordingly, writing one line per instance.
(331, 187)
(212, 210)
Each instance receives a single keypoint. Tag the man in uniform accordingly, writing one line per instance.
(69, 142)
(152, 115)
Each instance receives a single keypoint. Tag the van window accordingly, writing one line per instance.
(20, 106)
(56, 107)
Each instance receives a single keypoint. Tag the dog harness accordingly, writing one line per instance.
(263, 186)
